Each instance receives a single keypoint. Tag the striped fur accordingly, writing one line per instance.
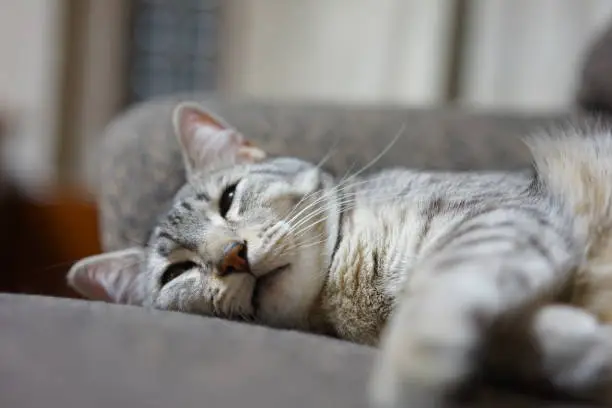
(504, 275)
(578, 172)
(442, 270)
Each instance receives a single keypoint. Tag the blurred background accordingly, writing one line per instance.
(68, 66)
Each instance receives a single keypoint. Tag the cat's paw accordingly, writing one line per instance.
(576, 352)
(420, 374)
(390, 392)
(392, 388)
(423, 360)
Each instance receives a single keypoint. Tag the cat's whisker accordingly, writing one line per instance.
(309, 226)
(299, 233)
(323, 197)
(298, 228)
(311, 244)
(297, 241)
(346, 173)
(342, 183)
(320, 238)
(290, 221)
(324, 160)
(329, 155)
(372, 162)
(344, 202)
(337, 189)
(351, 204)
(340, 186)
(316, 201)
(297, 205)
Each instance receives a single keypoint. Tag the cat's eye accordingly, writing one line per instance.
(226, 199)
(175, 270)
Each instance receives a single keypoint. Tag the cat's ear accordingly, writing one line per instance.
(113, 277)
(207, 141)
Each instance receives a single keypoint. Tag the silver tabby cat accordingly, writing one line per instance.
(452, 274)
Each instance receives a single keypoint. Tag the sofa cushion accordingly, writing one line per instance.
(58, 353)
(67, 353)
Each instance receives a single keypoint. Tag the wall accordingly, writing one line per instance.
(30, 61)
(521, 54)
(358, 51)
(527, 53)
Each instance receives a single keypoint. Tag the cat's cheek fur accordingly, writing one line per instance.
(286, 300)
(269, 248)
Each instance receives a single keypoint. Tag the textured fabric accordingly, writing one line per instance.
(57, 353)
(63, 353)
(141, 166)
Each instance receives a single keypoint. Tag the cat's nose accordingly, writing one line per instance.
(234, 259)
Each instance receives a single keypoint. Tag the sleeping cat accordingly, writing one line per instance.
(452, 274)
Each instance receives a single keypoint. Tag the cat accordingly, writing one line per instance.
(450, 274)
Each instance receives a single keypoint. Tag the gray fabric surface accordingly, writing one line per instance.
(64, 353)
(58, 353)
(141, 166)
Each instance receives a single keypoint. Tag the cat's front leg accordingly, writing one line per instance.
(432, 342)
(489, 265)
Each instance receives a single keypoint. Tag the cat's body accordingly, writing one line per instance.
(395, 218)
(440, 269)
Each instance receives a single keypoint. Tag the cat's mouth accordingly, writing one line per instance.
(265, 280)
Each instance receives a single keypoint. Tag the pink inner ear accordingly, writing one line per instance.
(193, 118)
(91, 286)
(207, 141)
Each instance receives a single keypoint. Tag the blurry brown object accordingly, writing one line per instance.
(39, 240)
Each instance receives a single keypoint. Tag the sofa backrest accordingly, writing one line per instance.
(141, 168)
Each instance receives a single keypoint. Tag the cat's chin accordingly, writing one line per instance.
(265, 281)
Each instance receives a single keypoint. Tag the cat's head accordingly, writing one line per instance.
(246, 237)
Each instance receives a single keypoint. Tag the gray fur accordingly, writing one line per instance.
(426, 264)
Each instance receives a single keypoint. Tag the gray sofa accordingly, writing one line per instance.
(64, 353)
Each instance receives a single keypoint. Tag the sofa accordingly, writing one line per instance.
(64, 352)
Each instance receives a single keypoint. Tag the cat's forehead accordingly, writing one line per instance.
(203, 190)
(282, 168)
(220, 176)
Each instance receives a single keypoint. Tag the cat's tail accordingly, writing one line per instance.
(576, 170)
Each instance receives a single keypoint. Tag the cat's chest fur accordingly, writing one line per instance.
(370, 266)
